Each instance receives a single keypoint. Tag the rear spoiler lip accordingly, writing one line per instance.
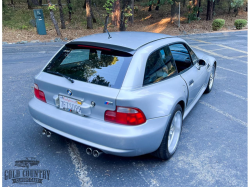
(113, 47)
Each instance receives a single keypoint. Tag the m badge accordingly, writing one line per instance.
(108, 103)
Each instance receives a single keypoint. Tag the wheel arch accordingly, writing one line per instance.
(182, 104)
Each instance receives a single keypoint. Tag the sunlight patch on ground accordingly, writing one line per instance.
(146, 18)
(159, 26)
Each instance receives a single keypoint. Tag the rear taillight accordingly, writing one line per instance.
(39, 94)
(125, 115)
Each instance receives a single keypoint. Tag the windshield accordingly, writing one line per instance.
(91, 64)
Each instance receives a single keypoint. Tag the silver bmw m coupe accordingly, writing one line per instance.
(124, 95)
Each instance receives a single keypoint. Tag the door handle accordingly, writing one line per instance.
(191, 83)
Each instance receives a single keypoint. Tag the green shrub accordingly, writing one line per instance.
(239, 23)
(23, 27)
(218, 24)
(192, 13)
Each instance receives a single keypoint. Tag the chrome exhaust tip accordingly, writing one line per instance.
(44, 132)
(48, 134)
(89, 151)
(97, 153)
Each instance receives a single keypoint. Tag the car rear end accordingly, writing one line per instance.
(76, 95)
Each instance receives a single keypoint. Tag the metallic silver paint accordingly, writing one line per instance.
(111, 138)
(157, 100)
(132, 40)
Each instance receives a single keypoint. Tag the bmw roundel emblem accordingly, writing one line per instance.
(69, 92)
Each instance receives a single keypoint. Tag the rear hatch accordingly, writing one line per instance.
(88, 74)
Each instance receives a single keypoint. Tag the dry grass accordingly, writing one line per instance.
(154, 21)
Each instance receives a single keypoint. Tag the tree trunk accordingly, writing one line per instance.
(52, 17)
(184, 3)
(29, 4)
(12, 2)
(198, 14)
(209, 10)
(61, 15)
(88, 15)
(123, 18)
(131, 18)
(173, 13)
(122, 22)
(116, 13)
(40, 2)
(150, 8)
(35, 2)
(236, 11)
(84, 5)
(157, 6)
(69, 9)
(106, 23)
(92, 15)
(213, 9)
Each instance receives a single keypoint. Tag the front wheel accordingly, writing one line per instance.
(172, 135)
(211, 80)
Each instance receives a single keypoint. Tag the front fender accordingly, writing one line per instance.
(207, 58)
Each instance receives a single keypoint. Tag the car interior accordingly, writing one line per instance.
(181, 56)
(160, 65)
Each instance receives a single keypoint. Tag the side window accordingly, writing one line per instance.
(181, 56)
(193, 56)
(160, 65)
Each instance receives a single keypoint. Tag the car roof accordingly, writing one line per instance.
(128, 39)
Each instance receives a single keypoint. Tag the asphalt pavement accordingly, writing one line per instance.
(213, 146)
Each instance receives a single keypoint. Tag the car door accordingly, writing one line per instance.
(188, 68)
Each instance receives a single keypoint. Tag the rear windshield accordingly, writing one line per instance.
(91, 64)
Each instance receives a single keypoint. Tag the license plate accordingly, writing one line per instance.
(69, 104)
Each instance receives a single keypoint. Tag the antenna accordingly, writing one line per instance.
(104, 24)
(108, 34)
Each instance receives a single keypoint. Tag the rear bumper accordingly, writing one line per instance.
(111, 138)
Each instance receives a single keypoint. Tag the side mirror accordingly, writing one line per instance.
(202, 63)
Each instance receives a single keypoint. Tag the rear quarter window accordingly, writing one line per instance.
(160, 65)
(93, 65)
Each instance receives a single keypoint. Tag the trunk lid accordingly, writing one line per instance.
(53, 85)
(97, 75)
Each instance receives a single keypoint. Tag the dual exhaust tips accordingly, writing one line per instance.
(96, 153)
(46, 132)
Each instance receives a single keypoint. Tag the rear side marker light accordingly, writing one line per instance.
(125, 115)
(39, 94)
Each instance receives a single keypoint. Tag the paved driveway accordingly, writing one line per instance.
(213, 146)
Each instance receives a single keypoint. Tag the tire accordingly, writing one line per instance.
(169, 146)
(211, 80)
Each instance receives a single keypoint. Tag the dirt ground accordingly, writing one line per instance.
(153, 21)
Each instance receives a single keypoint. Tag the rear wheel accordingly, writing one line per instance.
(211, 80)
(172, 135)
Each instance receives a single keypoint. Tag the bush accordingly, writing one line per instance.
(239, 23)
(192, 13)
(218, 24)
